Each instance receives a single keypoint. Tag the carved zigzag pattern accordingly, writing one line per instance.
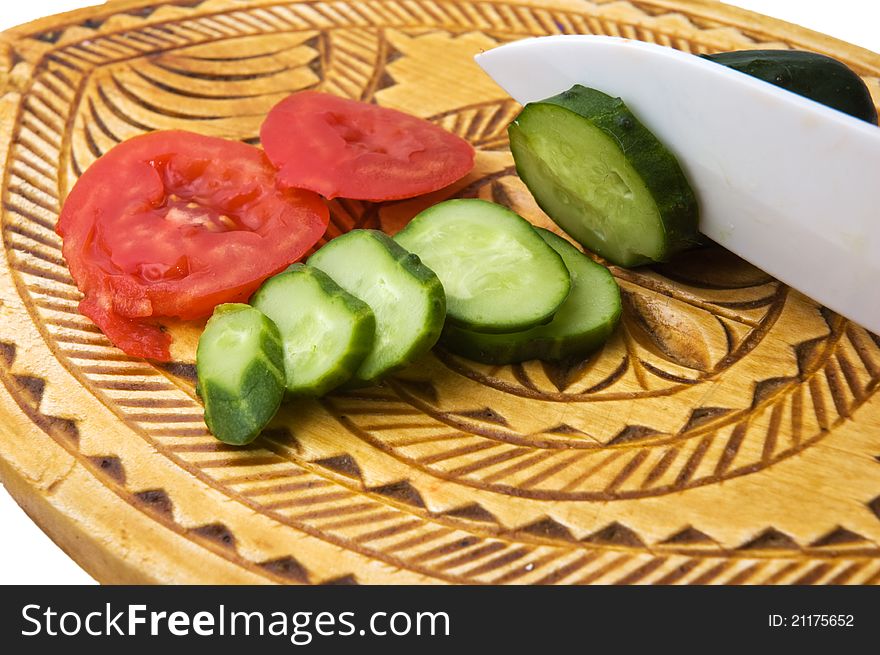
(28, 390)
(835, 376)
(701, 559)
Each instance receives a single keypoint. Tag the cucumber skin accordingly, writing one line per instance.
(436, 308)
(657, 166)
(490, 349)
(364, 332)
(230, 418)
(809, 74)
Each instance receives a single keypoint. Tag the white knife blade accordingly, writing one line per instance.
(784, 182)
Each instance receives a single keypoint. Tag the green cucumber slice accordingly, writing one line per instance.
(498, 274)
(406, 297)
(583, 323)
(325, 331)
(603, 177)
(240, 363)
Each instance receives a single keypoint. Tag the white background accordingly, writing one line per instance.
(856, 21)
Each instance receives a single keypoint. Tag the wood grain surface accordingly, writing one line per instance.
(728, 433)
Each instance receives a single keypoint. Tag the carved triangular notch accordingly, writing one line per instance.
(486, 415)
(401, 491)
(385, 81)
(7, 353)
(50, 36)
(472, 512)
(565, 372)
(341, 580)
(829, 316)
(143, 12)
(703, 415)
(766, 388)
(840, 536)
(807, 354)
(316, 67)
(287, 568)
(156, 500)
(110, 466)
(874, 506)
(33, 387)
(318, 45)
(60, 427)
(547, 528)
(771, 539)
(689, 536)
(185, 371)
(392, 54)
(216, 532)
(565, 428)
(632, 433)
(615, 534)
(342, 464)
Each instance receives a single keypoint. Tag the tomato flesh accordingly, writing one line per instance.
(345, 148)
(170, 224)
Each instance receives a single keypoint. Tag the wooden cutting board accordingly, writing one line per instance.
(729, 432)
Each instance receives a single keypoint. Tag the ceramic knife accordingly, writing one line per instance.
(786, 183)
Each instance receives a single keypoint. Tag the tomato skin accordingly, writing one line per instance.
(346, 148)
(170, 224)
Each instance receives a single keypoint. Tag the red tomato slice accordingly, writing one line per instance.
(351, 149)
(174, 223)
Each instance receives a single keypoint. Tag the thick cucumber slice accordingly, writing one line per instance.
(325, 331)
(406, 297)
(603, 177)
(582, 324)
(240, 369)
(809, 74)
(498, 274)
